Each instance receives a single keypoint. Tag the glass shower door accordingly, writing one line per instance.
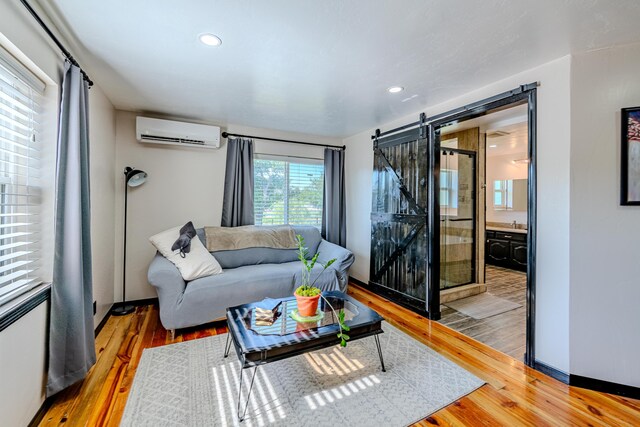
(457, 217)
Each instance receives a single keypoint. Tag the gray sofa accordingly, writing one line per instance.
(248, 275)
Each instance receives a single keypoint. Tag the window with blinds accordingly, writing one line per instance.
(20, 95)
(448, 192)
(288, 190)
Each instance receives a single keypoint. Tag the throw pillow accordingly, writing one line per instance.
(183, 244)
(196, 264)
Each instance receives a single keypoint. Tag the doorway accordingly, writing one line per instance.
(483, 250)
(524, 95)
(409, 235)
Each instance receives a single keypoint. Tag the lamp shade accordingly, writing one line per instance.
(134, 177)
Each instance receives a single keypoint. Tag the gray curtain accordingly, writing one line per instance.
(334, 212)
(71, 335)
(237, 205)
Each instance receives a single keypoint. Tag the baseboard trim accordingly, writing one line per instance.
(103, 321)
(42, 411)
(604, 386)
(556, 373)
(137, 303)
(391, 296)
(357, 282)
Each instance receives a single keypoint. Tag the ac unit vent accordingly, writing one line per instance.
(171, 132)
(497, 133)
(175, 140)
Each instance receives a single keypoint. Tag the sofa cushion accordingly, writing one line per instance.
(195, 264)
(250, 283)
(256, 256)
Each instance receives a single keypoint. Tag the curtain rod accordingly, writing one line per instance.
(226, 135)
(52, 36)
(288, 156)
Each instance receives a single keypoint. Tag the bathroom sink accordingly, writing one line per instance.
(507, 229)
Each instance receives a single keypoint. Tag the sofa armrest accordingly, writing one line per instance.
(344, 259)
(167, 280)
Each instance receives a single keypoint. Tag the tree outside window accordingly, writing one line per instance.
(288, 191)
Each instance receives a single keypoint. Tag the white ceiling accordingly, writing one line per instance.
(513, 121)
(322, 67)
(495, 120)
(516, 142)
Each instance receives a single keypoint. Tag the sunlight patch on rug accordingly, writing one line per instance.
(191, 384)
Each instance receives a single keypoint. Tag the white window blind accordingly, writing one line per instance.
(503, 194)
(288, 190)
(20, 96)
(448, 192)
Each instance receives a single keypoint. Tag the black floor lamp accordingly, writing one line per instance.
(132, 178)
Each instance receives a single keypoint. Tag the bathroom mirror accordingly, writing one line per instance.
(510, 195)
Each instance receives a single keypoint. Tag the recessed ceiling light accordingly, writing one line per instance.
(493, 146)
(210, 39)
(395, 89)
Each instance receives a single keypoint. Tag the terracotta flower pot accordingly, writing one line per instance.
(307, 306)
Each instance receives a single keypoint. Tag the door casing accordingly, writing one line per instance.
(521, 95)
(430, 127)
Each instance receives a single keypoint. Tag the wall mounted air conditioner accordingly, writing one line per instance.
(157, 131)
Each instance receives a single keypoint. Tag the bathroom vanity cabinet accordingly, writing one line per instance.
(506, 249)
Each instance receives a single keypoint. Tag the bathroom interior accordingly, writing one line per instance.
(483, 228)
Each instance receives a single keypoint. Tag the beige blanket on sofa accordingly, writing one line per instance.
(250, 236)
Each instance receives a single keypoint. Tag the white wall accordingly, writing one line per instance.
(22, 367)
(605, 237)
(184, 184)
(501, 167)
(552, 294)
(103, 151)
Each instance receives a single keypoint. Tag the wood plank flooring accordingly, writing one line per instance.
(505, 332)
(514, 394)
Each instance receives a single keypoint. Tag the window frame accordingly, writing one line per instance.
(20, 133)
(288, 161)
(506, 194)
(449, 177)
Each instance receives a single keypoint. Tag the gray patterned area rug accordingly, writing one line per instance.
(191, 384)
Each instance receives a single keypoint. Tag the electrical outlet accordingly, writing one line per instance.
(94, 308)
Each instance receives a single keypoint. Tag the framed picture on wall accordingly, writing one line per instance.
(630, 184)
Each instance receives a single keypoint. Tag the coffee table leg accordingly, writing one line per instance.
(227, 346)
(379, 352)
(246, 405)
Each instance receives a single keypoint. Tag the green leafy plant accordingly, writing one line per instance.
(343, 327)
(307, 289)
(308, 264)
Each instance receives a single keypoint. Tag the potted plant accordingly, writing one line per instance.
(308, 296)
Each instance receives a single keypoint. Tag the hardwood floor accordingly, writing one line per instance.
(505, 332)
(514, 394)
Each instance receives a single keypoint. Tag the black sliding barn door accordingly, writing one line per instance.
(399, 232)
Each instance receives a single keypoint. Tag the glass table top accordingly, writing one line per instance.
(284, 324)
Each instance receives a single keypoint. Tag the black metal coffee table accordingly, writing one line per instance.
(257, 343)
